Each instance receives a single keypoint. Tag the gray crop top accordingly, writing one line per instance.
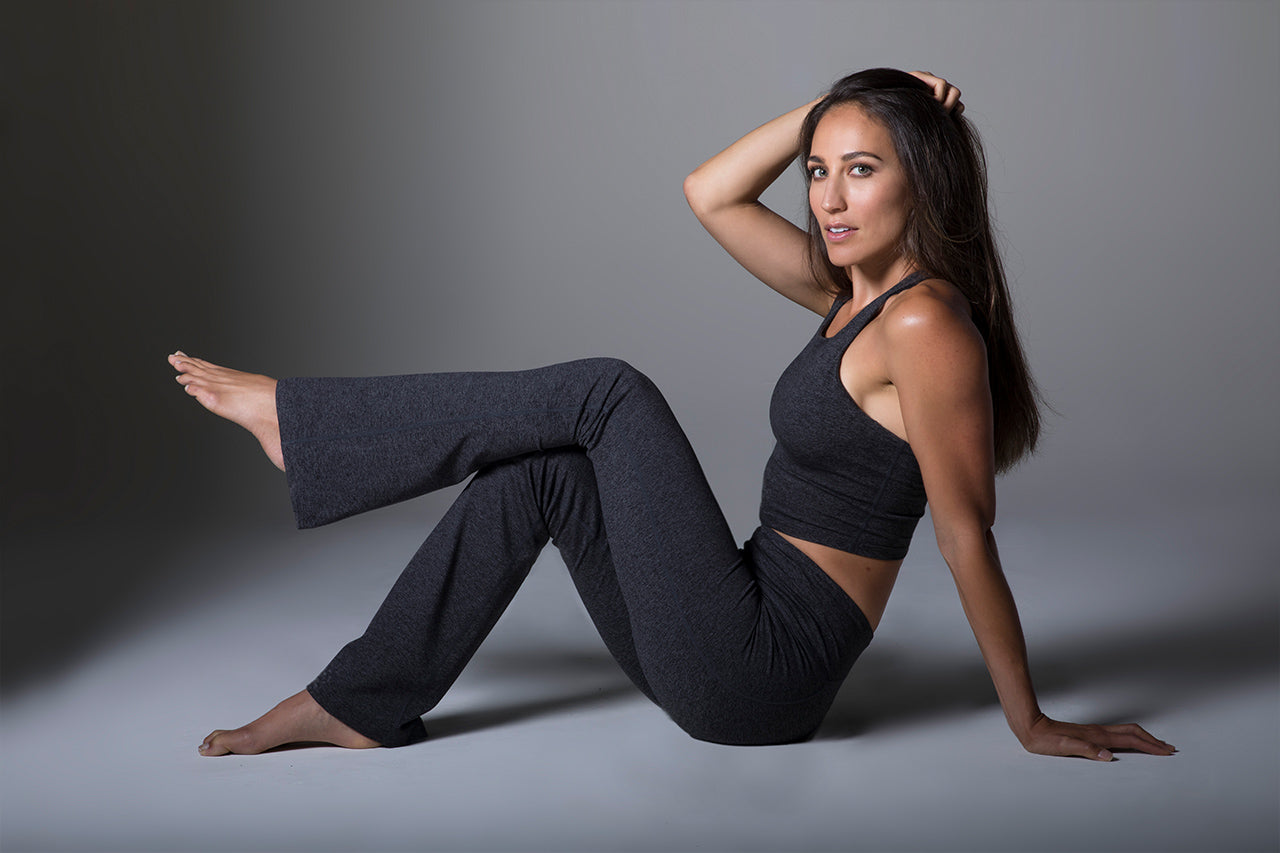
(837, 477)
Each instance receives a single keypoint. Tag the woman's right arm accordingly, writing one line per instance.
(724, 193)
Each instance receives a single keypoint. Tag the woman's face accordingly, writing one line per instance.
(857, 190)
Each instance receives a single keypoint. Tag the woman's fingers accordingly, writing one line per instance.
(1135, 737)
(1082, 748)
(950, 96)
(1052, 737)
(935, 82)
(944, 92)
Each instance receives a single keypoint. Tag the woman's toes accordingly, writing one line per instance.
(241, 741)
(211, 745)
(186, 364)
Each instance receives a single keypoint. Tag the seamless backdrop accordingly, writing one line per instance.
(382, 187)
(324, 188)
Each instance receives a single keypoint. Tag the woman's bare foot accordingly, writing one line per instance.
(298, 719)
(243, 398)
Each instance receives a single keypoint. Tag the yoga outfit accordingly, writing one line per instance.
(837, 477)
(739, 645)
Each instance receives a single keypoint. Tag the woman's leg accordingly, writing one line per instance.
(349, 445)
(462, 579)
(446, 602)
(715, 637)
(726, 643)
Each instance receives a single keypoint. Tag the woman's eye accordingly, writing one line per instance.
(861, 170)
(817, 172)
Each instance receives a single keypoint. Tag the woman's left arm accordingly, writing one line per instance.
(936, 360)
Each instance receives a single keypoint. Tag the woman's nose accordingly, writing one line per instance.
(832, 198)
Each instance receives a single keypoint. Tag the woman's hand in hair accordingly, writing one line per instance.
(1051, 737)
(947, 95)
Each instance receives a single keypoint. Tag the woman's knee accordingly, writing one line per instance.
(619, 382)
(615, 372)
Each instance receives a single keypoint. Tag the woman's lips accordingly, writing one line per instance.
(837, 232)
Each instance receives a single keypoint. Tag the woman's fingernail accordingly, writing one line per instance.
(1105, 755)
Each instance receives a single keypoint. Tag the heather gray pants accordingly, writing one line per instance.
(741, 646)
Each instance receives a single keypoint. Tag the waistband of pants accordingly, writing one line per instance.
(814, 581)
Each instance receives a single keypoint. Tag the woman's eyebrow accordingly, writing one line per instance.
(852, 155)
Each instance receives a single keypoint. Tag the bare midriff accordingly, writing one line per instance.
(868, 582)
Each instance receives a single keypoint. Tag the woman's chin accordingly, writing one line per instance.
(870, 263)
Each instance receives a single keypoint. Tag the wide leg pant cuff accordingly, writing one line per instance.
(404, 734)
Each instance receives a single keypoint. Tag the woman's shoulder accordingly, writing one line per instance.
(931, 317)
(933, 304)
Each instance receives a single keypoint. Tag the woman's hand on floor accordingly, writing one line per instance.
(1052, 737)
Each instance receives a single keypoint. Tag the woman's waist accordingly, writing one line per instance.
(866, 580)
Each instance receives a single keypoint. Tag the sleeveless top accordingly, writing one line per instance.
(837, 477)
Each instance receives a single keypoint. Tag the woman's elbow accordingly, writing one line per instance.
(695, 193)
(957, 540)
(705, 196)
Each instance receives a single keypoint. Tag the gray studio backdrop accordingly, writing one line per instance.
(348, 188)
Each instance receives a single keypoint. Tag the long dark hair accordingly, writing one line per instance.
(948, 233)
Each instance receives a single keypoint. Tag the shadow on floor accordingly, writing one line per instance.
(1166, 664)
(585, 679)
(465, 722)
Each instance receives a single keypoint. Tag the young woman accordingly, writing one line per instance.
(914, 387)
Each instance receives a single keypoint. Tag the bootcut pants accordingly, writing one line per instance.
(738, 645)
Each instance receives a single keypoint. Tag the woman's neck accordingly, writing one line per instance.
(866, 281)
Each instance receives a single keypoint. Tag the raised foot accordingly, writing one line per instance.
(247, 399)
(298, 719)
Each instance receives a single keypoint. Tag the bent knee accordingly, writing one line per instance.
(621, 380)
(615, 370)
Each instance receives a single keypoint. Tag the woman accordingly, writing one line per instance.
(913, 387)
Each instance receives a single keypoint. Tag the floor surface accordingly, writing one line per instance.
(543, 745)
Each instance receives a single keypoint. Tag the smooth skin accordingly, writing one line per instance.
(919, 369)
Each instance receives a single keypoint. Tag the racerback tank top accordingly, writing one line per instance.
(837, 477)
